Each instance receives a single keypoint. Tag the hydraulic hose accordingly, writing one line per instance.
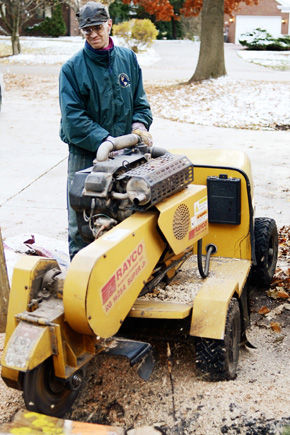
(210, 249)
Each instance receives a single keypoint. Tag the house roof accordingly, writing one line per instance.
(284, 5)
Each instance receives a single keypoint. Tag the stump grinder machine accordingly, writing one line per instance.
(144, 212)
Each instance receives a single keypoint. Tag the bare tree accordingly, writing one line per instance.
(16, 13)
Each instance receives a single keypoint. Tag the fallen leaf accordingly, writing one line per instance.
(275, 326)
(264, 310)
(278, 310)
(282, 294)
(277, 293)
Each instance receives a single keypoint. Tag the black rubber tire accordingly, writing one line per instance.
(45, 394)
(266, 250)
(217, 360)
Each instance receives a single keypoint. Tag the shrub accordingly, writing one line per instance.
(191, 27)
(260, 39)
(54, 26)
(136, 34)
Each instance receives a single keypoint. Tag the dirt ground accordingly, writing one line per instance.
(174, 400)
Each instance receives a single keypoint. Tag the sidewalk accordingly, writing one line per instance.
(33, 159)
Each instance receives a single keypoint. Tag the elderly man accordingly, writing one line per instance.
(101, 97)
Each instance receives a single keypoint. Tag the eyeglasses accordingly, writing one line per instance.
(89, 30)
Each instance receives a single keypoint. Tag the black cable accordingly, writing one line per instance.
(210, 249)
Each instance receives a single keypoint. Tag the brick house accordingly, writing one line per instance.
(69, 17)
(271, 15)
(44, 11)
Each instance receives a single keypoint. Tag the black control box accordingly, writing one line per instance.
(224, 200)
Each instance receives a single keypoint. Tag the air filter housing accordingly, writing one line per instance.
(158, 179)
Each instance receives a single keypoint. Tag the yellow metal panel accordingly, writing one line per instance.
(184, 217)
(221, 158)
(76, 285)
(105, 278)
(24, 279)
(231, 240)
(11, 377)
(231, 268)
(160, 310)
(29, 346)
(225, 269)
(59, 360)
(73, 350)
(210, 308)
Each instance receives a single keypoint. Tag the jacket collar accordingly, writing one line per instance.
(109, 48)
(102, 57)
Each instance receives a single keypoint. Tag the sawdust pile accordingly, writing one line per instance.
(183, 288)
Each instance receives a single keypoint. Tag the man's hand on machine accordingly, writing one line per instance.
(141, 130)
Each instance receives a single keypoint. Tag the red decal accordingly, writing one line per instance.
(108, 289)
(201, 227)
(125, 276)
(191, 234)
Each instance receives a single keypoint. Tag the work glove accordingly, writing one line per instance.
(141, 130)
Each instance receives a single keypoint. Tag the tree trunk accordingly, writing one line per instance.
(173, 26)
(15, 41)
(211, 61)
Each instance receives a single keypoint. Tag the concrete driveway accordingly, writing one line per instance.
(33, 159)
(178, 60)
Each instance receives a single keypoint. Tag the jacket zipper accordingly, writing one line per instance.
(114, 114)
(110, 64)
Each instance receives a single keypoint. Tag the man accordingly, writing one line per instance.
(101, 96)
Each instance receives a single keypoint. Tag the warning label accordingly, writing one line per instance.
(124, 277)
(199, 221)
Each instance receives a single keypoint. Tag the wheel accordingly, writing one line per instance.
(266, 250)
(217, 360)
(45, 394)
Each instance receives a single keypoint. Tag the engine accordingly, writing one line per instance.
(133, 179)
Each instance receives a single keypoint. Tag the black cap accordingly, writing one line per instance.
(92, 14)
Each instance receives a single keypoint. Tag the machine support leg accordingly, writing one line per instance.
(4, 287)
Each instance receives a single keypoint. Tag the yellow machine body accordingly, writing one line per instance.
(105, 279)
(24, 281)
(232, 241)
(34, 333)
(103, 282)
(183, 218)
(234, 248)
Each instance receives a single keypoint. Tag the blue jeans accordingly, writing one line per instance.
(76, 162)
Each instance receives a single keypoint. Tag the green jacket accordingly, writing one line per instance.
(101, 94)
